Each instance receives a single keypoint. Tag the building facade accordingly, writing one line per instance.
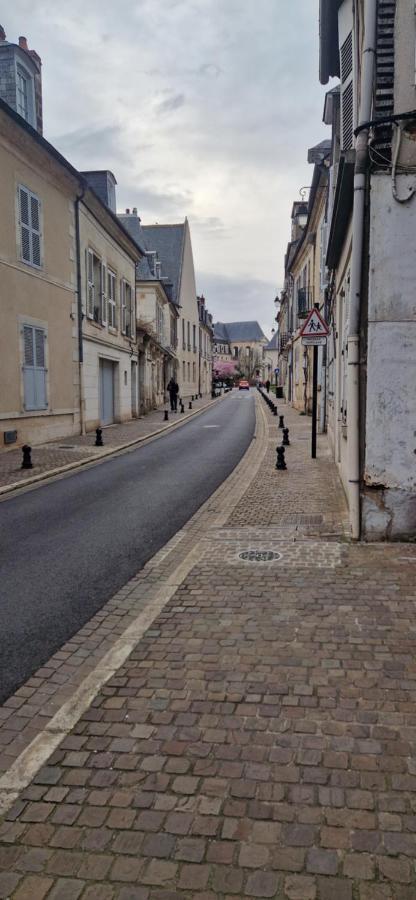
(241, 343)
(108, 265)
(366, 267)
(194, 342)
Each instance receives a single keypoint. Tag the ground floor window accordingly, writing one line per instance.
(34, 368)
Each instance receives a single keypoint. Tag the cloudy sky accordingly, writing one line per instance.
(201, 108)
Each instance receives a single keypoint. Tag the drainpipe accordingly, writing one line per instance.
(78, 198)
(353, 341)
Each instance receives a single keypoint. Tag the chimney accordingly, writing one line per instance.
(23, 43)
(135, 210)
(2, 33)
(127, 212)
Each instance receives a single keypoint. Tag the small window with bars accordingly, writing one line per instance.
(30, 227)
(34, 368)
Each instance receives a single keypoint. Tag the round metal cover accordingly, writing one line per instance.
(259, 555)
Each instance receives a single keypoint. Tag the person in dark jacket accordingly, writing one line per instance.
(173, 389)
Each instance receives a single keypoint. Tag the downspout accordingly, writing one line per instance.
(78, 198)
(353, 341)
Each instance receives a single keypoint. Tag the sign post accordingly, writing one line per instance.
(314, 333)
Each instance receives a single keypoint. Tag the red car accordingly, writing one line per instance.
(243, 385)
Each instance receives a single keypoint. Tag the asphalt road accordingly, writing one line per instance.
(68, 546)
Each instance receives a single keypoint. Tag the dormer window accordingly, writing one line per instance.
(24, 94)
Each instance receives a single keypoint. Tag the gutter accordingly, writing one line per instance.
(353, 341)
(77, 201)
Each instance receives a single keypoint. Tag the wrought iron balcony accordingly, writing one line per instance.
(284, 339)
(305, 301)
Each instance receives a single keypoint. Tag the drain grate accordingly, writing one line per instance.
(259, 555)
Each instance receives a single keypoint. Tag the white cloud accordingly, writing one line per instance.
(203, 108)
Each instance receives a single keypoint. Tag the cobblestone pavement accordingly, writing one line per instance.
(257, 739)
(75, 449)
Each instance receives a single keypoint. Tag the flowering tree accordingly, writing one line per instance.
(224, 370)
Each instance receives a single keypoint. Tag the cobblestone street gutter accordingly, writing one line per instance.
(227, 726)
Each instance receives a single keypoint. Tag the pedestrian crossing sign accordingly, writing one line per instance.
(315, 325)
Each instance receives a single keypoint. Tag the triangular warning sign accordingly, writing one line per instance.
(314, 325)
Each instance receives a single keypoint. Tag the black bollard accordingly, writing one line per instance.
(274, 410)
(280, 462)
(286, 441)
(99, 438)
(182, 407)
(27, 460)
(166, 417)
(281, 422)
(190, 404)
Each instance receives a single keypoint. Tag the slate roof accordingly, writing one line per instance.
(169, 242)
(273, 343)
(238, 331)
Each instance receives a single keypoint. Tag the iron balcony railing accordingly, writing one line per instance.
(284, 339)
(305, 301)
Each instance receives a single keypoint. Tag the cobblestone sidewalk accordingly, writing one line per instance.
(76, 450)
(255, 738)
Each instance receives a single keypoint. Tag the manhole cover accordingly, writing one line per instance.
(259, 555)
(300, 519)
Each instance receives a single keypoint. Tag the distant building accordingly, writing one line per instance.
(271, 358)
(173, 245)
(241, 343)
(156, 319)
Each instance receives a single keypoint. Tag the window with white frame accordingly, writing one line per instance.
(103, 295)
(24, 94)
(111, 299)
(94, 287)
(126, 309)
(30, 227)
(34, 367)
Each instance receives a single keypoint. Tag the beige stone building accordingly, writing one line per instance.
(108, 257)
(173, 246)
(39, 360)
(68, 353)
(156, 321)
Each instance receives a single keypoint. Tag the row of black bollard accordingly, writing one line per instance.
(272, 406)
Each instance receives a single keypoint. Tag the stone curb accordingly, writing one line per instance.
(61, 470)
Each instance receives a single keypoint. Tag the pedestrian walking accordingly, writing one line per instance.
(173, 390)
(268, 386)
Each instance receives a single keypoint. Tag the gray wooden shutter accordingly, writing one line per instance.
(35, 229)
(34, 371)
(40, 370)
(29, 368)
(24, 224)
(103, 295)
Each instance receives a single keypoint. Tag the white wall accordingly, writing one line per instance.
(122, 391)
(390, 464)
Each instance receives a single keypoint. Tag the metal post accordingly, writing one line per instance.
(166, 418)
(314, 399)
(99, 437)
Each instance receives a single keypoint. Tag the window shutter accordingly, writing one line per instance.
(346, 60)
(90, 284)
(29, 354)
(35, 229)
(34, 371)
(103, 295)
(24, 224)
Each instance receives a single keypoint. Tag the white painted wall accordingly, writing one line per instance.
(390, 438)
(122, 390)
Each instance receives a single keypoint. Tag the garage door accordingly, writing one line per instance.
(106, 392)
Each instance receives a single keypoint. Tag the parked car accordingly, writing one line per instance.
(243, 385)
